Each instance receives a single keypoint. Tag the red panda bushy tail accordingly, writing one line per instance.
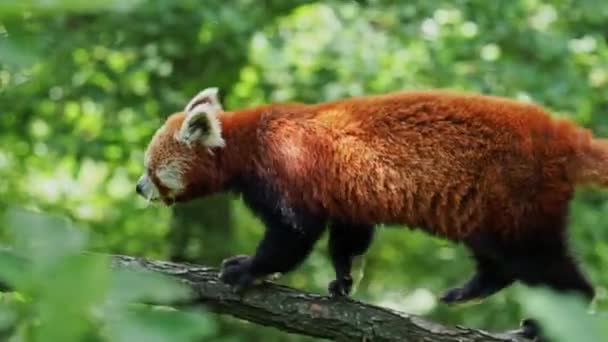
(592, 164)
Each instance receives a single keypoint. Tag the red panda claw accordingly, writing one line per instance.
(530, 329)
(235, 272)
(234, 260)
(340, 287)
(452, 296)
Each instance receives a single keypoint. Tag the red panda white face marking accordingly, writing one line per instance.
(170, 174)
(176, 148)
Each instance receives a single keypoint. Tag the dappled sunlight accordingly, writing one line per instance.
(120, 185)
(419, 301)
(543, 17)
(52, 187)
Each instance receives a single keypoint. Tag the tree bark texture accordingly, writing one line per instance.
(290, 310)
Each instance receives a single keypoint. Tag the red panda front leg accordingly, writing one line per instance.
(281, 250)
(290, 235)
(345, 243)
(289, 238)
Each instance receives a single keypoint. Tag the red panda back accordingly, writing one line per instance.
(453, 164)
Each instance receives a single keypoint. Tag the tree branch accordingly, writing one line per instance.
(308, 314)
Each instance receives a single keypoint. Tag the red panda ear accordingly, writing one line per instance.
(206, 97)
(201, 122)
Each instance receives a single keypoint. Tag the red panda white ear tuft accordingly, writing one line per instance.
(202, 122)
(206, 97)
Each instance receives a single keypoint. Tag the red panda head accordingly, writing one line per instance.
(180, 162)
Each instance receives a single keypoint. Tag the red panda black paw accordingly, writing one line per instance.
(235, 261)
(531, 329)
(235, 271)
(455, 295)
(340, 287)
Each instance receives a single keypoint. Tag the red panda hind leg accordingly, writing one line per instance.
(549, 263)
(345, 243)
(539, 257)
(489, 278)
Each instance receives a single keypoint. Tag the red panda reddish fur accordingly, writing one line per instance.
(492, 172)
(447, 162)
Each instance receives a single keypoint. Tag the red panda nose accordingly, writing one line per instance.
(139, 188)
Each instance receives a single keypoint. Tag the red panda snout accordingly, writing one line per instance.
(165, 164)
(170, 163)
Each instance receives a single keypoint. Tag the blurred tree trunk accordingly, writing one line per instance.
(201, 230)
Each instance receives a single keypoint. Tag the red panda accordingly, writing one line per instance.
(494, 174)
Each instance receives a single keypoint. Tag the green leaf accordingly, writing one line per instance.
(563, 317)
(13, 52)
(70, 292)
(13, 8)
(145, 324)
(8, 316)
(43, 239)
(128, 286)
(13, 269)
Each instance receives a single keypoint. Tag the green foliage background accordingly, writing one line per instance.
(83, 86)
